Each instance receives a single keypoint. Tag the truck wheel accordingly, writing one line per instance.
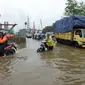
(76, 45)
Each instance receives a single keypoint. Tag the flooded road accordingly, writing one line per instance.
(63, 66)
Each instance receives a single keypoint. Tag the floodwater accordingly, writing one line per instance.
(65, 65)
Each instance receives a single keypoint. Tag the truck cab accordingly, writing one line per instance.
(79, 36)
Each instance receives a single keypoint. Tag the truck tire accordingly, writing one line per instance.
(76, 45)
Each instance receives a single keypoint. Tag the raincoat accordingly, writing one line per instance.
(3, 43)
(3, 40)
(50, 41)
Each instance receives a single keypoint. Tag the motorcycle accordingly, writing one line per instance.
(42, 47)
(9, 50)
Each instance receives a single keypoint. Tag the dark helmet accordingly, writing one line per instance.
(53, 35)
(48, 35)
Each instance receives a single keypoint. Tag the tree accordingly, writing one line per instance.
(48, 29)
(81, 8)
(74, 8)
(71, 8)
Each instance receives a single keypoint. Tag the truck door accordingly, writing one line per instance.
(77, 34)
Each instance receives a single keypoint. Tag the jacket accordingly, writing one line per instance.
(50, 41)
(3, 40)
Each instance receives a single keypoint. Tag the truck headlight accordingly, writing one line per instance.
(80, 42)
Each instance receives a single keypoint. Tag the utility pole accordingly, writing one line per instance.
(28, 25)
(25, 25)
(28, 28)
(33, 27)
(41, 24)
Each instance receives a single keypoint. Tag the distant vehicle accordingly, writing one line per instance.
(50, 33)
(29, 35)
(36, 36)
(39, 36)
(71, 31)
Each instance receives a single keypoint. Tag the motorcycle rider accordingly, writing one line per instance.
(3, 42)
(49, 42)
(54, 41)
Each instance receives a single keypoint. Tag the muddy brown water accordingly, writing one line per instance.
(65, 65)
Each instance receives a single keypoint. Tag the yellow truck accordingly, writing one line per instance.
(71, 31)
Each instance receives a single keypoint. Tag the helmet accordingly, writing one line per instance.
(48, 35)
(53, 36)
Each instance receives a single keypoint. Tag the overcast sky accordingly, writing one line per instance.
(16, 11)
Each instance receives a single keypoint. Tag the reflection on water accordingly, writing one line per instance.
(6, 67)
(70, 61)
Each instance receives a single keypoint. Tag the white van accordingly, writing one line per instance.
(29, 35)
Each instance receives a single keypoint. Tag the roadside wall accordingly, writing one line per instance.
(19, 40)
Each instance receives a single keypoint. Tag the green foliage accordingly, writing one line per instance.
(48, 29)
(74, 8)
(81, 8)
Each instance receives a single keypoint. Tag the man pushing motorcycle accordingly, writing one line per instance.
(5, 48)
(3, 42)
(50, 42)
